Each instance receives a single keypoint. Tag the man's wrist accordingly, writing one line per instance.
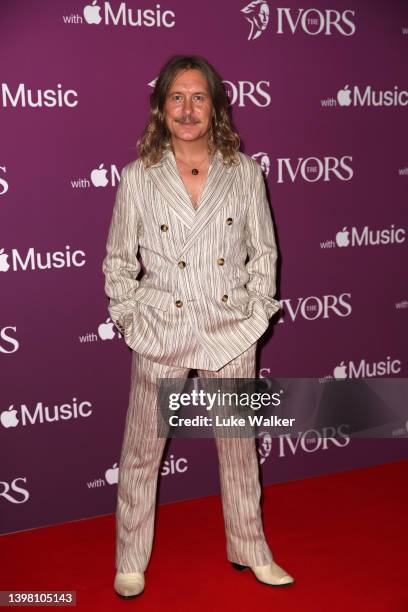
(269, 304)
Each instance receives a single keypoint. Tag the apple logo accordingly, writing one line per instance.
(340, 371)
(8, 417)
(112, 474)
(343, 96)
(105, 330)
(4, 265)
(342, 239)
(98, 177)
(91, 13)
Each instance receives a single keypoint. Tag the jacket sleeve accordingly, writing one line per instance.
(261, 246)
(121, 265)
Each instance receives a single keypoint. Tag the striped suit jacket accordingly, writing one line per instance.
(209, 270)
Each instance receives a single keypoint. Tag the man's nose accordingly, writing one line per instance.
(187, 104)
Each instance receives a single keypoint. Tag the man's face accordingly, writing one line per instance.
(188, 106)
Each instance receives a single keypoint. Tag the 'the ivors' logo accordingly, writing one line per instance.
(263, 160)
(313, 169)
(309, 21)
(315, 307)
(257, 13)
(7, 491)
(8, 344)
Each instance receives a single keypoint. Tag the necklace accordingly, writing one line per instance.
(195, 170)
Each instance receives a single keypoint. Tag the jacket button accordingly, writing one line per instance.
(181, 264)
(164, 227)
(229, 221)
(179, 303)
(220, 261)
(224, 297)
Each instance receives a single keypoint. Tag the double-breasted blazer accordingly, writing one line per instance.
(208, 272)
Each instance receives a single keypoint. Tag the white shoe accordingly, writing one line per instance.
(271, 574)
(129, 585)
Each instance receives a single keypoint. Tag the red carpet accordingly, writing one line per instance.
(343, 537)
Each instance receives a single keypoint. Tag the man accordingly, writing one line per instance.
(196, 207)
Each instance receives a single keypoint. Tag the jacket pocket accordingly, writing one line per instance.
(151, 296)
(238, 297)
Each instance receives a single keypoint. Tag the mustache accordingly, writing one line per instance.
(187, 119)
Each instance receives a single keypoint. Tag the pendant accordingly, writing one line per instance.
(194, 171)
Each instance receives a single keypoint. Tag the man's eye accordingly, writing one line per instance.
(199, 98)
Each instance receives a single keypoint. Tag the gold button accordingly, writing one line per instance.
(224, 297)
(164, 227)
(229, 221)
(220, 261)
(179, 303)
(181, 264)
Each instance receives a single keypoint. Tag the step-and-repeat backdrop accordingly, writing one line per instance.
(319, 95)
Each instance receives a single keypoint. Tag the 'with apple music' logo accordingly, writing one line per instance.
(99, 177)
(111, 478)
(106, 331)
(42, 413)
(125, 16)
(361, 96)
(365, 369)
(35, 260)
(366, 237)
(169, 467)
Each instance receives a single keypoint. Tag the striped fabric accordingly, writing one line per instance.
(140, 460)
(196, 279)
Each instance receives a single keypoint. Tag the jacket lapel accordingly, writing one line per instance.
(168, 181)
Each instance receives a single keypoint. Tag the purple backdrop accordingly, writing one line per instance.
(308, 83)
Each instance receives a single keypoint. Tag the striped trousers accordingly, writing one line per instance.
(140, 460)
